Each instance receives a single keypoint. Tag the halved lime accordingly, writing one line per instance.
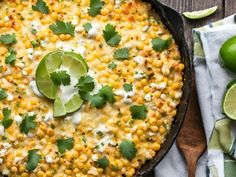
(73, 104)
(229, 103)
(200, 14)
(76, 66)
(231, 83)
(59, 109)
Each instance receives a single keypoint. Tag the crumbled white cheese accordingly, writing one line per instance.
(1, 160)
(101, 128)
(76, 117)
(49, 159)
(139, 60)
(165, 69)
(6, 145)
(161, 86)
(37, 53)
(129, 136)
(163, 96)
(21, 65)
(6, 18)
(34, 88)
(94, 157)
(10, 97)
(81, 50)
(1, 130)
(145, 28)
(5, 172)
(139, 75)
(30, 52)
(148, 97)
(74, 21)
(30, 135)
(94, 30)
(126, 95)
(49, 116)
(17, 159)
(93, 171)
(178, 95)
(18, 119)
(78, 29)
(8, 71)
(103, 143)
(3, 152)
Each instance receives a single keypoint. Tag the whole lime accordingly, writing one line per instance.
(228, 54)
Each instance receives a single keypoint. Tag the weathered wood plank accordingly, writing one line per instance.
(230, 7)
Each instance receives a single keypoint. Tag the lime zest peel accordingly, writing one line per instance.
(201, 13)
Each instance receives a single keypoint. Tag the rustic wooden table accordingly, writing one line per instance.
(225, 8)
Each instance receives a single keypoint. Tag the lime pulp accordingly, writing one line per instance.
(229, 102)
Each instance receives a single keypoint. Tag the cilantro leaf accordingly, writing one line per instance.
(60, 77)
(41, 6)
(84, 95)
(112, 37)
(65, 144)
(33, 160)
(3, 94)
(121, 54)
(8, 39)
(103, 162)
(28, 123)
(95, 7)
(128, 87)
(112, 65)
(138, 112)
(11, 58)
(159, 44)
(86, 84)
(97, 101)
(107, 94)
(127, 149)
(6, 122)
(87, 27)
(61, 27)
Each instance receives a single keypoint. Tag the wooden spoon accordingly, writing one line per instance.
(191, 140)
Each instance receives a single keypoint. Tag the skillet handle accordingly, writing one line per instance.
(151, 174)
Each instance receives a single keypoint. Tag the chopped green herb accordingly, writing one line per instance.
(61, 27)
(6, 122)
(8, 39)
(41, 6)
(1, 68)
(138, 112)
(60, 77)
(35, 43)
(33, 160)
(112, 65)
(84, 139)
(3, 95)
(97, 101)
(11, 58)
(107, 93)
(159, 44)
(112, 37)
(128, 87)
(86, 84)
(114, 168)
(103, 162)
(99, 133)
(127, 149)
(33, 31)
(65, 144)
(84, 95)
(95, 7)
(28, 123)
(87, 27)
(121, 54)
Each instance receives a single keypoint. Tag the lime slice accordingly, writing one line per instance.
(59, 109)
(229, 103)
(200, 14)
(76, 66)
(73, 104)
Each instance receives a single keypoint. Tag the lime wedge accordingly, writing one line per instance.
(73, 104)
(200, 14)
(230, 84)
(229, 103)
(76, 66)
(59, 109)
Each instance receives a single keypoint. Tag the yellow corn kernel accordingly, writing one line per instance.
(49, 174)
(154, 128)
(40, 174)
(14, 169)
(156, 146)
(175, 86)
(146, 89)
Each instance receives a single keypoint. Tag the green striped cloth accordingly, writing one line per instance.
(211, 80)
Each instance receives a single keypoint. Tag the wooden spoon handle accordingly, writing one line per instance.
(191, 168)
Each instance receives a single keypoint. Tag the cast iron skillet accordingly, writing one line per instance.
(174, 22)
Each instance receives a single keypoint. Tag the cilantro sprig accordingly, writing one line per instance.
(138, 111)
(159, 44)
(87, 27)
(61, 27)
(65, 144)
(95, 7)
(11, 58)
(6, 122)
(28, 123)
(127, 149)
(112, 65)
(97, 101)
(121, 54)
(41, 6)
(33, 160)
(60, 77)
(103, 162)
(86, 84)
(128, 87)
(111, 36)
(3, 94)
(8, 39)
